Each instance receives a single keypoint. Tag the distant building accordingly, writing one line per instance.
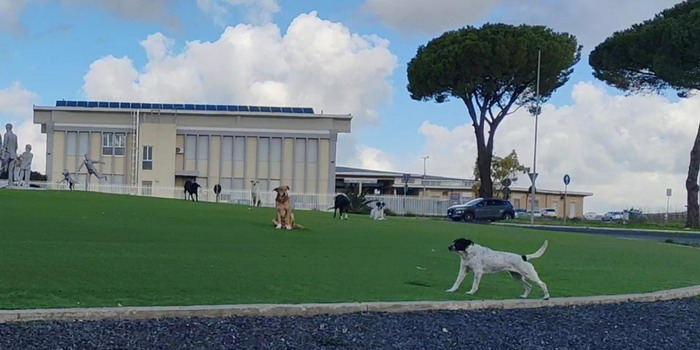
(456, 190)
(165, 144)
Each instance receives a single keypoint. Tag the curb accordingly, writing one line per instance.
(597, 228)
(137, 313)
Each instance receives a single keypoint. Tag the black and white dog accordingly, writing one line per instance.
(341, 206)
(377, 212)
(484, 260)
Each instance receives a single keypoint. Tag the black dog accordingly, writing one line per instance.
(191, 188)
(342, 205)
(217, 190)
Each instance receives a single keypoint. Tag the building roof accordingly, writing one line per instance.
(349, 171)
(188, 108)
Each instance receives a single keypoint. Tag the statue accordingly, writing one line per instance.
(8, 154)
(68, 178)
(25, 165)
(92, 170)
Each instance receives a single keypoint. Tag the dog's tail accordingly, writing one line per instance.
(536, 254)
(297, 227)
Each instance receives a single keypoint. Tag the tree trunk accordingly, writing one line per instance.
(691, 185)
(484, 160)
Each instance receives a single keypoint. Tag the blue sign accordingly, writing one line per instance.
(406, 177)
(567, 179)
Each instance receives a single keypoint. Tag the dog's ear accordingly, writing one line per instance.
(288, 188)
(275, 189)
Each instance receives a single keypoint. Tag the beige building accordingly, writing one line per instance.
(165, 144)
(455, 190)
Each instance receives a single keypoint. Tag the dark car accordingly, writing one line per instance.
(482, 209)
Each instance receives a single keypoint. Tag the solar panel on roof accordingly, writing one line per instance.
(188, 106)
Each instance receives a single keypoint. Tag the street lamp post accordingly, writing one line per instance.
(425, 158)
(533, 176)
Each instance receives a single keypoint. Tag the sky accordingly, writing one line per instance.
(350, 57)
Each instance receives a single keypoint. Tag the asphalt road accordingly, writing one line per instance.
(677, 237)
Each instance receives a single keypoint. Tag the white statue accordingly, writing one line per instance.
(8, 153)
(91, 168)
(68, 178)
(25, 165)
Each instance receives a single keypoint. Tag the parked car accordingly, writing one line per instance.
(613, 216)
(520, 213)
(591, 215)
(482, 209)
(548, 212)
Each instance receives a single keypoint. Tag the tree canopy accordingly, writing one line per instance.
(493, 70)
(650, 57)
(658, 54)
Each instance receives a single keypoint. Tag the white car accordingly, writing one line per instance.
(548, 212)
(591, 215)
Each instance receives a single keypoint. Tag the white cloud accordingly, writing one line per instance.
(16, 108)
(10, 11)
(258, 11)
(351, 154)
(625, 149)
(591, 21)
(316, 63)
(428, 17)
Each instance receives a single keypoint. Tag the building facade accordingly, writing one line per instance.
(454, 190)
(164, 145)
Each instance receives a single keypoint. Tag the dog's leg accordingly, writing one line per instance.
(475, 282)
(463, 269)
(518, 277)
(528, 271)
(278, 219)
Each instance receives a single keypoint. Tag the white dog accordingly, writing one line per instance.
(255, 196)
(484, 260)
(377, 212)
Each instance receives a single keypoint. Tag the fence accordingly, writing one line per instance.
(301, 201)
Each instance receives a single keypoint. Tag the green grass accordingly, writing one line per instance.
(77, 249)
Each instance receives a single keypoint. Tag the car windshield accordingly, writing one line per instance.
(474, 202)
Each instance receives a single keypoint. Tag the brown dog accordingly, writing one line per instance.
(285, 217)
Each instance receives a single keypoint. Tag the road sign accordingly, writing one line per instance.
(533, 176)
(406, 177)
(668, 192)
(567, 179)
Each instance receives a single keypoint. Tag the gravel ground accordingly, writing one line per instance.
(660, 325)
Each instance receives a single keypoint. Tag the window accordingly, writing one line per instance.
(71, 143)
(113, 144)
(147, 163)
(190, 146)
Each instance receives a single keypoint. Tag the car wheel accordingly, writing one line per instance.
(468, 216)
(507, 216)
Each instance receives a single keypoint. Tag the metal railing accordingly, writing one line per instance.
(400, 205)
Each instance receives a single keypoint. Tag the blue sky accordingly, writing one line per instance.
(350, 57)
